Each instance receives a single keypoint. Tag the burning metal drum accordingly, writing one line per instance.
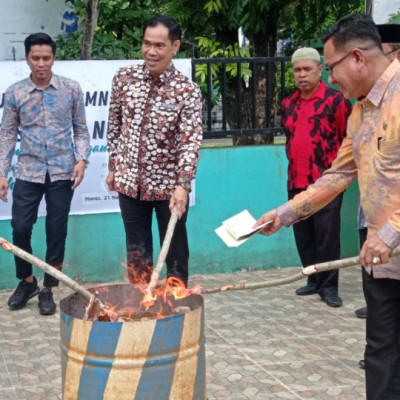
(140, 359)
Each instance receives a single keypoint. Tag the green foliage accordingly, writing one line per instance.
(120, 16)
(213, 5)
(213, 49)
(304, 20)
(120, 24)
(255, 17)
(118, 33)
(290, 86)
(105, 47)
(69, 46)
(394, 18)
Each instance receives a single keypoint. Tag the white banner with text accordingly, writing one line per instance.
(19, 18)
(95, 78)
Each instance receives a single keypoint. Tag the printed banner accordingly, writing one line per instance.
(95, 78)
(19, 18)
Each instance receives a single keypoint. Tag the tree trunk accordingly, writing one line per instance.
(263, 45)
(92, 14)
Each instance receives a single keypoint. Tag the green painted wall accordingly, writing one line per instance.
(229, 180)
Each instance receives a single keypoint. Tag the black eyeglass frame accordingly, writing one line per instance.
(390, 52)
(329, 68)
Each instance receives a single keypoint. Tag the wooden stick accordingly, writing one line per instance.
(46, 268)
(307, 271)
(55, 273)
(155, 276)
(93, 308)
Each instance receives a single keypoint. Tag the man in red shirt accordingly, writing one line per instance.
(314, 119)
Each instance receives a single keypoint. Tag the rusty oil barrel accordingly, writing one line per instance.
(143, 359)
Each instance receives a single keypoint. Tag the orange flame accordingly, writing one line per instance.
(148, 299)
(174, 287)
(162, 295)
(139, 271)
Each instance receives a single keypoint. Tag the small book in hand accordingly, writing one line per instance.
(239, 228)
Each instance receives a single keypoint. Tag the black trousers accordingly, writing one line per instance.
(382, 353)
(318, 240)
(137, 218)
(26, 199)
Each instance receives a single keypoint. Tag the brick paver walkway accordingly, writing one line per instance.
(264, 344)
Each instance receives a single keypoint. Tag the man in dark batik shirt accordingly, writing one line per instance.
(314, 119)
(154, 136)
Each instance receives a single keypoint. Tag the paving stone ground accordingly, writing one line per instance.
(260, 345)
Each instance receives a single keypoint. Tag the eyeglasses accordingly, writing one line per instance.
(390, 52)
(329, 68)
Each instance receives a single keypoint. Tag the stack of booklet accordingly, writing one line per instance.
(238, 229)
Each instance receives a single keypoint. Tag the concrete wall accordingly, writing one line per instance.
(229, 180)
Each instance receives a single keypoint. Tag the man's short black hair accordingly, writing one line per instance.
(353, 28)
(174, 30)
(39, 38)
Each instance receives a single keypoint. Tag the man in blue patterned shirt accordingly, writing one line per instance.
(42, 110)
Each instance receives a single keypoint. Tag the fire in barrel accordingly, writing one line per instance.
(157, 353)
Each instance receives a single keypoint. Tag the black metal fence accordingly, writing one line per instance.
(223, 117)
(264, 84)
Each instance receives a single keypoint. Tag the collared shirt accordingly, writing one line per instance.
(43, 118)
(154, 132)
(314, 129)
(370, 151)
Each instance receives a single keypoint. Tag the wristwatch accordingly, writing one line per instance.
(186, 185)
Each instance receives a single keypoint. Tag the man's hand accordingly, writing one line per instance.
(78, 174)
(3, 188)
(110, 180)
(271, 228)
(374, 251)
(180, 200)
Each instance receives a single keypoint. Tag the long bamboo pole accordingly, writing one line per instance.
(55, 273)
(155, 276)
(304, 272)
(76, 287)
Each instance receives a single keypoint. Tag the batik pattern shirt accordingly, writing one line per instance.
(314, 129)
(370, 151)
(44, 119)
(154, 132)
